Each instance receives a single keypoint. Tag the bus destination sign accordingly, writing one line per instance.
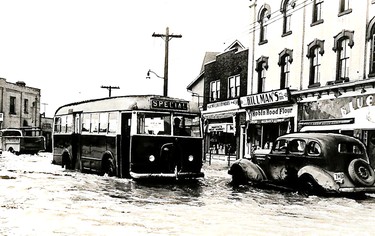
(169, 105)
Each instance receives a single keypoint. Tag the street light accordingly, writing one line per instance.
(165, 85)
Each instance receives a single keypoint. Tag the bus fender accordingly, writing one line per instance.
(321, 177)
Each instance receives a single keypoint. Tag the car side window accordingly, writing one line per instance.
(297, 146)
(313, 148)
(280, 146)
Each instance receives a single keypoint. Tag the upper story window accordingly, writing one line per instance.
(371, 39)
(263, 17)
(234, 86)
(12, 105)
(285, 59)
(261, 68)
(343, 43)
(286, 10)
(26, 106)
(344, 7)
(215, 90)
(315, 52)
(317, 12)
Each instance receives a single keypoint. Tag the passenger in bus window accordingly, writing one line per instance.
(178, 129)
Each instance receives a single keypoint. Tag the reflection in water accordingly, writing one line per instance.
(42, 199)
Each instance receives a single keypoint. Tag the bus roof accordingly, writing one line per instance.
(130, 102)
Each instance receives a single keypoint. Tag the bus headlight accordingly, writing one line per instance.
(191, 158)
(151, 158)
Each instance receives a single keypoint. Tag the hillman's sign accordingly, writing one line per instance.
(268, 98)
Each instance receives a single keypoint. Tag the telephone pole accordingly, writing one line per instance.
(110, 88)
(166, 37)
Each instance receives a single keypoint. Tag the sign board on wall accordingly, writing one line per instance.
(272, 113)
(223, 105)
(268, 98)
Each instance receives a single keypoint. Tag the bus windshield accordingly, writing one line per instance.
(165, 124)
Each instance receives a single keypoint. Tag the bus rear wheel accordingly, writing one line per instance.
(108, 167)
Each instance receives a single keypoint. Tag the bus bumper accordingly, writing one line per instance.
(183, 175)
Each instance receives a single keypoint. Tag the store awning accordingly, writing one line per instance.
(355, 126)
(219, 115)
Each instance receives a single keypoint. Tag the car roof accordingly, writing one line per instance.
(320, 136)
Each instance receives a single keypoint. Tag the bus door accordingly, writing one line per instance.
(124, 157)
(76, 141)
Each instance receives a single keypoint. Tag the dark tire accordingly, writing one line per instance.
(308, 186)
(11, 150)
(66, 162)
(238, 175)
(108, 167)
(361, 172)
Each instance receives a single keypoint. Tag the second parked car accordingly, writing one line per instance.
(312, 163)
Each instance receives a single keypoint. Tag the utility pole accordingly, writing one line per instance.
(110, 88)
(166, 37)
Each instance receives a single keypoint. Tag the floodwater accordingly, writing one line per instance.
(38, 198)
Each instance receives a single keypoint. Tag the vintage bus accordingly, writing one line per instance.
(135, 137)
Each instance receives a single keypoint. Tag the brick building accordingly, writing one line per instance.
(225, 80)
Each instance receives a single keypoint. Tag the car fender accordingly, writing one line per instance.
(252, 171)
(321, 177)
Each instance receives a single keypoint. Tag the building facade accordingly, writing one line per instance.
(225, 81)
(322, 55)
(19, 105)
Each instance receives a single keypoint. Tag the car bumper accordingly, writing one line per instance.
(357, 190)
(184, 175)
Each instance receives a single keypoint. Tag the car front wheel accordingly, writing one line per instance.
(361, 172)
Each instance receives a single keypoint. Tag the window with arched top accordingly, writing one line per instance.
(285, 59)
(314, 53)
(261, 69)
(286, 9)
(371, 38)
(263, 17)
(343, 42)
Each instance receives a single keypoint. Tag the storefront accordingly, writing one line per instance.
(221, 127)
(268, 115)
(352, 114)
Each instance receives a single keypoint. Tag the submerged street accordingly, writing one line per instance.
(38, 198)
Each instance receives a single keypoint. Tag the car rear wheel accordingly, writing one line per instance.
(308, 186)
(361, 172)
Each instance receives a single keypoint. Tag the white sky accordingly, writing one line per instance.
(69, 48)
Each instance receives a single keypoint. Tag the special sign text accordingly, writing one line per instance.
(169, 105)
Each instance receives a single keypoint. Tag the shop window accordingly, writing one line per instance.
(317, 12)
(285, 59)
(344, 7)
(12, 105)
(286, 9)
(234, 86)
(215, 90)
(261, 68)
(315, 52)
(263, 18)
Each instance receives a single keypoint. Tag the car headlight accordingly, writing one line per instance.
(191, 158)
(151, 158)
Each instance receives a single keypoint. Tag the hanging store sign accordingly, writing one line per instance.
(268, 98)
(221, 127)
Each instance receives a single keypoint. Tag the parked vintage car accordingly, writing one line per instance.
(310, 163)
(22, 140)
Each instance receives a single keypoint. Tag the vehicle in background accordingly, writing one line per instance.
(310, 163)
(139, 137)
(22, 140)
